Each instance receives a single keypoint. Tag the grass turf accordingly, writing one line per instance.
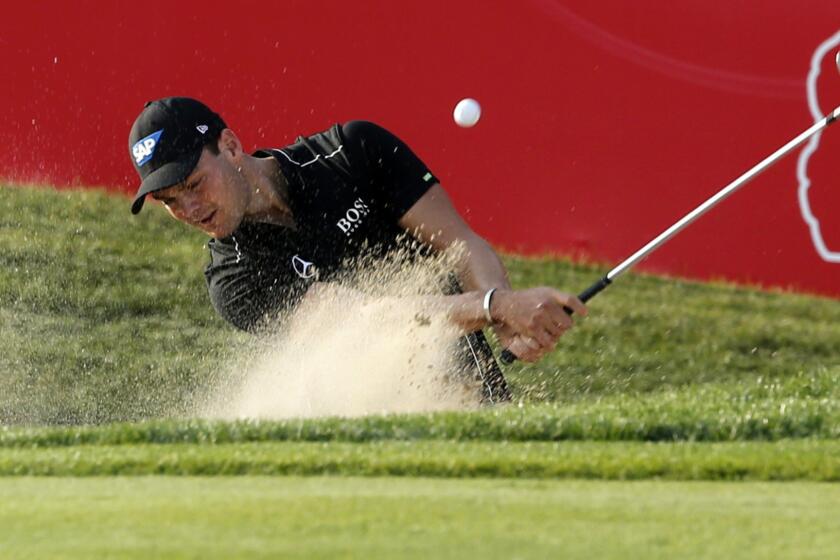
(813, 460)
(802, 406)
(326, 517)
(106, 318)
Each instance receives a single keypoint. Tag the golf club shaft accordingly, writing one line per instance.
(508, 357)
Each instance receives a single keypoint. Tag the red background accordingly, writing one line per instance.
(603, 122)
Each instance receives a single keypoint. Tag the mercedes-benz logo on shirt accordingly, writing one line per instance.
(303, 268)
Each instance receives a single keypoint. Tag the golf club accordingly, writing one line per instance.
(508, 357)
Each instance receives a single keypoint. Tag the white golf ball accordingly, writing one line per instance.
(467, 112)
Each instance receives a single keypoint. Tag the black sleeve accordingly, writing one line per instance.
(250, 291)
(396, 174)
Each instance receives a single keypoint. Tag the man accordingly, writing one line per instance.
(284, 223)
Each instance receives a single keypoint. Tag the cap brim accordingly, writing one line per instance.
(167, 175)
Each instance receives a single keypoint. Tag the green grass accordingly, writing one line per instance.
(105, 318)
(326, 517)
(803, 406)
(815, 460)
(108, 341)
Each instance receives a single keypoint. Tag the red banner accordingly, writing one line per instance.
(602, 124)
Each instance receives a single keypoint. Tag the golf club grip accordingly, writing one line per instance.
(507, 357)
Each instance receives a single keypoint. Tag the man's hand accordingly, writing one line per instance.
(516, 344)
(529, 322)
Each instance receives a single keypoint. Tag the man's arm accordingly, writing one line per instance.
(434, 221)
(528, 322)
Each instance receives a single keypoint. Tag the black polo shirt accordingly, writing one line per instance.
(348, 187)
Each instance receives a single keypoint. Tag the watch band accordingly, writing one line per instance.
(487, 299)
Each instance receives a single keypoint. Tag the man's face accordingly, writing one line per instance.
(212, 198)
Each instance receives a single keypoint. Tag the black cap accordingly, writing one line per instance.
(166, 141)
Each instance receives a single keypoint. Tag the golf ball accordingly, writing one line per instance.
(467, 112)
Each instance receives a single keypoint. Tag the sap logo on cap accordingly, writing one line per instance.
(144, 149)
(304, 269)
(202, 128)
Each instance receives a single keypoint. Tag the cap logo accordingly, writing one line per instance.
(144, 149)
(202, 128)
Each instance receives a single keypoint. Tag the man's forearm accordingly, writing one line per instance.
(466, 311)
(481, 268)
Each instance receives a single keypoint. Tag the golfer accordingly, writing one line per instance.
(284, 222)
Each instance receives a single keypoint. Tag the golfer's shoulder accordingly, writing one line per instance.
(231, 268)
(324, 140)
(374, 144)
(240, 249)
(221, 249)
(226, 261)
(362, 131)
(353, 137)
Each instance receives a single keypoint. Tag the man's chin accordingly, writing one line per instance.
(219, 232)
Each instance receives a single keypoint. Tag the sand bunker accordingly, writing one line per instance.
(365, 346)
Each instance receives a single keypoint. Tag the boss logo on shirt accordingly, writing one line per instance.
(353, 217)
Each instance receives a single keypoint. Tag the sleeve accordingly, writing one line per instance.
(248, 291)
(397, 176)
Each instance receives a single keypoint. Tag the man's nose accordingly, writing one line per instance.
(190, 206)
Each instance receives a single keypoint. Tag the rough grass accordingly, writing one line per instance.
(105, 318)
(800, 407)
(108, 339)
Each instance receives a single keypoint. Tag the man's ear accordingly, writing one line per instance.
(229, 144)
